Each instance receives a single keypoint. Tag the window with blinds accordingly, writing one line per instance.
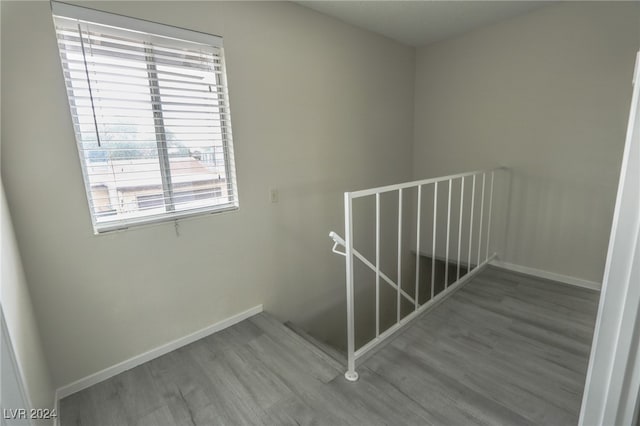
(150, 109)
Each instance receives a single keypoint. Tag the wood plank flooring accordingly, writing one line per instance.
(507, 349)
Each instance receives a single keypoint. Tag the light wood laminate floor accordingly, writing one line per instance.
(506, 349)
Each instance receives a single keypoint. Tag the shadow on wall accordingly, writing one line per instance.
(548, 213)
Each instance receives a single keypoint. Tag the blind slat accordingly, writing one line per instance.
(95, 58)
(124, 78)
(95, 65)
(201, 96)
(201, 103)
(211, 192)
(141, 53)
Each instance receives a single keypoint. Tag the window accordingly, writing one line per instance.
(150, 110)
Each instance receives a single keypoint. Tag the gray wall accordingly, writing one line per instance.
(548, 94)
(318, 108)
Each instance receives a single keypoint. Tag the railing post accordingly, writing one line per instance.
(489, 218)
(433, 248)
(507, 191)
(481, 217)
(446, 256)
(417, 303)
(473, 200)
(460, 224)
(351, 373)
(399, 252)
(377, 264)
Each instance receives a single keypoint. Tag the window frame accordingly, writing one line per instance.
(169, 35)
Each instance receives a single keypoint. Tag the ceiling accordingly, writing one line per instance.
(418, 23)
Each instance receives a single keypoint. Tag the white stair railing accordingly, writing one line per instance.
(483, 234)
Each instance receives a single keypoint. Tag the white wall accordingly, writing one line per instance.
(318, 108)
(546, 93)
(21, 325)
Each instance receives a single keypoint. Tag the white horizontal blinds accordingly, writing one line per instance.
(151, 117)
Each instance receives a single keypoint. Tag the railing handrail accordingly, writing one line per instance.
(404, 185)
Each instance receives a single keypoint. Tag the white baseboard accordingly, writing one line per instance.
(566, 279)
(137, 360)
